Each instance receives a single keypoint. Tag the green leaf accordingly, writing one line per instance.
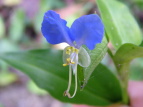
(120, 25)
(122, 59)
(80, 74)
(126, 54)
(96, 56)
(17, 25)
(45, 68)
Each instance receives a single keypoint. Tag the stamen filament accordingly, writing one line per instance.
(70, 78)
(71, 59)
(66, 93)
(75, 86)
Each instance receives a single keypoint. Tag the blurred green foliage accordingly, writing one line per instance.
(16, 30)
(136, 69)
(2, 27)
(33, 88)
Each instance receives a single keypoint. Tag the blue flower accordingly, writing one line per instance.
(87, 30)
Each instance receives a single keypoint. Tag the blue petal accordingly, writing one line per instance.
(88, 30)
(54, 29)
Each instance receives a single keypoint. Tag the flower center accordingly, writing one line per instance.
(70, 57)
(70, 51)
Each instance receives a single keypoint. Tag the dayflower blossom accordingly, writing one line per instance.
(87, 30)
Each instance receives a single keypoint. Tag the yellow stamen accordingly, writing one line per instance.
(69, 48)
(76, 50)
(68, 60)
(67, 52)
(65, 64)
(72, 62)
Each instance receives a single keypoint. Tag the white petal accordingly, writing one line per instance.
(83, 58)
(74, 59)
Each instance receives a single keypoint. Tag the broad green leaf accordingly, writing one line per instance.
(120, 25)
(2, 27)
(45, 68)
(96, 56)
(122, 59)
(17, 25)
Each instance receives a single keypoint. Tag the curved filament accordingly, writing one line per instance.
(66, 93)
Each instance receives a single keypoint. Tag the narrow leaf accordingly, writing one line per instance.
(96, 56)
